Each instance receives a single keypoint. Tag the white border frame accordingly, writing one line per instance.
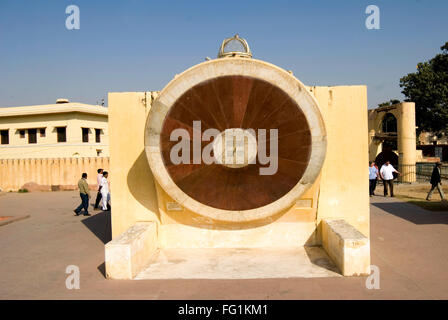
(229, 67)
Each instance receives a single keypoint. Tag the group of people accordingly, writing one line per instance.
(386, 173)
(103, 194)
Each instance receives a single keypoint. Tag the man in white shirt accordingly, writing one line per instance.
(99, 176)
(105, 194)
(387, 174)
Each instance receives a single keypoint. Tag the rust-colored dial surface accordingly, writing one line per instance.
(230, 102)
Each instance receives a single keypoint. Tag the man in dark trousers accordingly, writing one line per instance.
(373, 177)
(436, 182)
(99, 176)
(84, 194)
(387, 174)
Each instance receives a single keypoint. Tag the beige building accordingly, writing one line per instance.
(433, 146)
(431, 138)
(62, 130)
(392, 138)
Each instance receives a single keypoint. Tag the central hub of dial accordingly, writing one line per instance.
(235, 148)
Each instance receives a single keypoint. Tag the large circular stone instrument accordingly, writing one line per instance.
(267, 147)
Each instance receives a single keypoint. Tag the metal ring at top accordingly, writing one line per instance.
(247, 53)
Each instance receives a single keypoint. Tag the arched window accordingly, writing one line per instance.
(387, 155)
(389, 123)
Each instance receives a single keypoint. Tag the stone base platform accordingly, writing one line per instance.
(238, 263)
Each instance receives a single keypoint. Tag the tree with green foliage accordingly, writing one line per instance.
(389, 103)
(428, 88)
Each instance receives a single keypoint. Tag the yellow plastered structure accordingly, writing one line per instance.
(340, 192)
(404, 113)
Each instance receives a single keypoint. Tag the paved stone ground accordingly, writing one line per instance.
(409, 245)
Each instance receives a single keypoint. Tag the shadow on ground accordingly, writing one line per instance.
(99, 224)
(412, 213)
(319, 257)
(427, 205)
(102, 269)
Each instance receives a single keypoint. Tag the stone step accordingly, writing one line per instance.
(239, 263)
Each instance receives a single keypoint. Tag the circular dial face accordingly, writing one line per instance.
(260, 148)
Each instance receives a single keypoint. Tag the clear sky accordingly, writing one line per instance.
(140, 45)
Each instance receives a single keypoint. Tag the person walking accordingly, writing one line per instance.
(105, 193)
(99, 176)
(373, 177)
(387, 174)
(84, 193)
(436, 182)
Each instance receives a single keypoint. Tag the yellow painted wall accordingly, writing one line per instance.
(344, 182)
(48, 147)
(343, 187)
(45, 174)
(135, 197)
